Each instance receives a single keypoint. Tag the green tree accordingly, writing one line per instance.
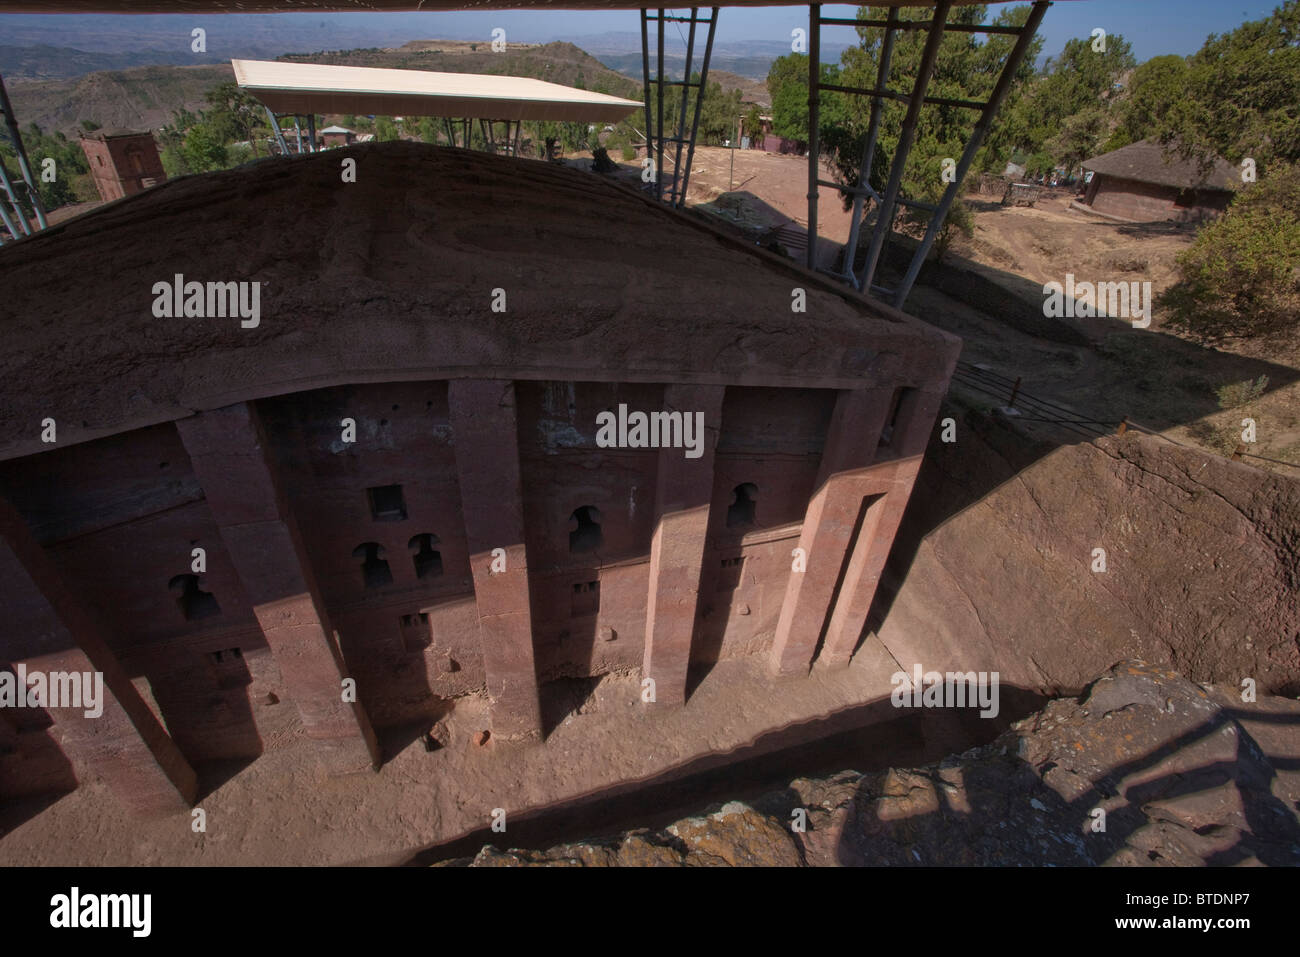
(1081, 135)
(69, 166)
(1241, 277)
(204, 150)
(174, 161)
(235, 116)
(753, 127)
(966, 68)
(385, 129)
(1154, 90)
(787, 84)
(1239, 97)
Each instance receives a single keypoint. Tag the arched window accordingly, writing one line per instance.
(741, 512)
(194, 602)
(584, 529)
(374, 569)
(428, 562)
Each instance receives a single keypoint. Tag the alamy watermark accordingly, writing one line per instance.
(953, 689)
(75, 909)
(651, 430)
(21, 688)
(1116, 300)
(213, 300)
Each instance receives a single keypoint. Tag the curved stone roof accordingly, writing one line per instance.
(393, 277)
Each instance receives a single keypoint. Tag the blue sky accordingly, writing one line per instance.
(1154, 27)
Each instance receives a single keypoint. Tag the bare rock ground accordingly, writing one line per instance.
(1146, 768)
(1201, 573)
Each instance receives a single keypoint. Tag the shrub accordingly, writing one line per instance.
(1241, 277)
(1234, 394)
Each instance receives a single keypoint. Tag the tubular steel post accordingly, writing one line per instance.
(24, 167)
(311, 130)
(814, 118)
(699, 103)
(279, 134)
(990, 111)
(645, 69)
(869, 147)
(681, 117)
(885, 219)
(659, 79)
(14, 231)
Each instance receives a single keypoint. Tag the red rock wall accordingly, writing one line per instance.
(119, 517)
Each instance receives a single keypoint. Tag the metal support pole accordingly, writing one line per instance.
(699, 103)
(311, 130)
(12, 197)
(990, 111)
(885, 221)
(24, 167)
(673, 198)
(279, 134)
(869, 147)
(659, 169)
(297, 132)
(814, 119)
(645, 69)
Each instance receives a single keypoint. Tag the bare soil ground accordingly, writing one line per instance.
(1154, 376)
(1167, 384)
(282, 809)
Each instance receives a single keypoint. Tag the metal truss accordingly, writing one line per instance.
(887, 205)
(299, 122)
(508, 144)
(12, 211)
(655, 138)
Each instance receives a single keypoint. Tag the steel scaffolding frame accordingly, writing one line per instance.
(12, 212)
(887, 205)
(655, 138)
(298, 123)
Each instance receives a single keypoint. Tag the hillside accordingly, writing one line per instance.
(146, 97)
(142, 98)
(46, 62)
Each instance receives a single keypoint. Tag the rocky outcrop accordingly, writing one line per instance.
(1146, 768)
(1201, 562)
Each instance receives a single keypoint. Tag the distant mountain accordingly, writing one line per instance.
(146, 97)
(621, 51)
(227, 35)
(47, 62)
(142, 98)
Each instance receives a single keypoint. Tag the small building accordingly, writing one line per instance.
(122, 162)
(337, 136)
(1139, 183)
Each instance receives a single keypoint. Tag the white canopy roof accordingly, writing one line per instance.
(319, 88)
